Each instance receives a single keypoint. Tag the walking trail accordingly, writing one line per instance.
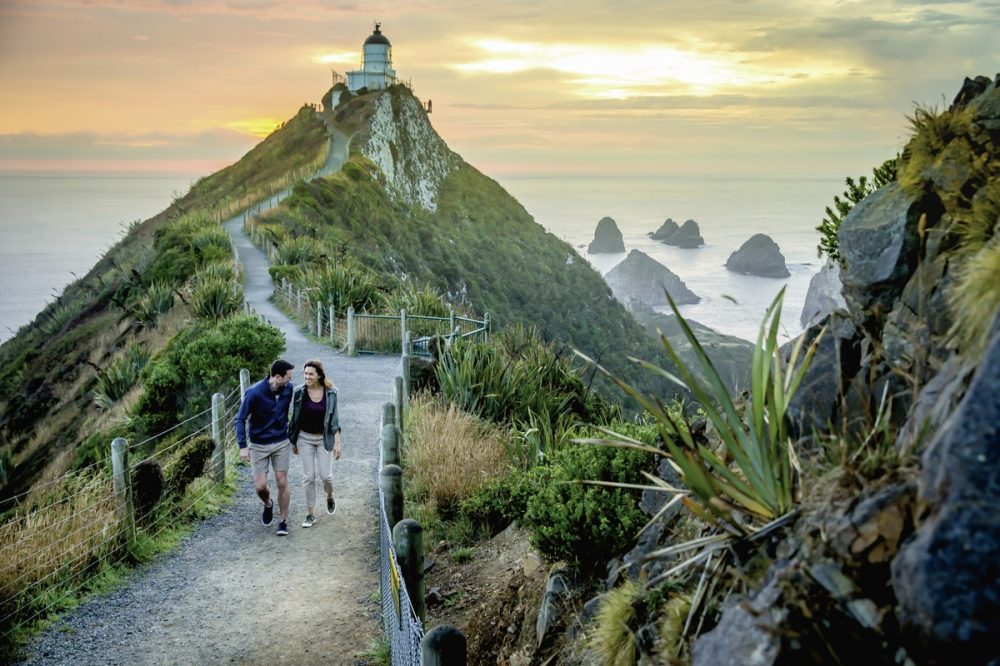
(236, 593)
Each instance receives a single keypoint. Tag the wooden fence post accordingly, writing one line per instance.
(391, 482)
(405, 362)
(390, 445)
(298, 302)
(398, 400)
(219, 451)
(351, 342)
(451, 319)
(388, 413)
(444, 645)
(333, 321)
(402, 326)
(244, 382)
(408, 540)
(123, 484)
(319, 320)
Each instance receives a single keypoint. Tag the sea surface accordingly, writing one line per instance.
(55, 226)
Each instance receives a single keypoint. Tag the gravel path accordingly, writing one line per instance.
(234, 592)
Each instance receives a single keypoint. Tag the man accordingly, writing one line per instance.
(266, 405)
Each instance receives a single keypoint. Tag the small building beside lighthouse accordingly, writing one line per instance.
(376, 71)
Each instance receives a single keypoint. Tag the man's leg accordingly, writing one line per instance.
(260, 485)
(284, 497)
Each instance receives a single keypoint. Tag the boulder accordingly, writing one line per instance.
(666, 230)
(759, 256)
(825, 295)
(607, 238)
(687, 237)
(947, 578)
(643, 278)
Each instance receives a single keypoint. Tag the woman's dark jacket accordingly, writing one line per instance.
(331, 422)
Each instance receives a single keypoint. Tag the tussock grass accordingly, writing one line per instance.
(933, 130)
(975, 298)
(449, 453)
(52, 546)
(613, 638)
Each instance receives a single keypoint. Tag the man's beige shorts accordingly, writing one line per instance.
(278, 453)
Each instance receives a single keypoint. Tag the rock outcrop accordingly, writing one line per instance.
(825, 295)
(687, 237)
(607, 238)
(759, 256)
(666, 230)
(640, 277)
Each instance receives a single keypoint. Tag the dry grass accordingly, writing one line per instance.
(975, 299)
(51, 545)
(449, 453)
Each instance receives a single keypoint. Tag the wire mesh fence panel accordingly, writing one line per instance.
(380, 334)
(400, 624)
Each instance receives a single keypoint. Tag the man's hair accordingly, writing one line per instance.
(280, 367)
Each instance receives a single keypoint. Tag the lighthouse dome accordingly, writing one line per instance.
(377, 37)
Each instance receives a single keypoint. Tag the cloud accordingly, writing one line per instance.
(25, 148)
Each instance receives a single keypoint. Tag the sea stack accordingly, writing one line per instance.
(642, 278)
(759, 256)
(666, 230)
(607, 238)
(688, 236)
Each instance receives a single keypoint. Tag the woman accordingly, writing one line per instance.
(315, 428)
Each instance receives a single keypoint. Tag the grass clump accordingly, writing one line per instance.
(123, 373)
(449, 453)
(215, 298)
(155, 301)
(613, 635)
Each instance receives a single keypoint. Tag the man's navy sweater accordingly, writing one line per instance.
(268, 414)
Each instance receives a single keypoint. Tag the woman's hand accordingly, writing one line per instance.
(295, 450)
(336, 449)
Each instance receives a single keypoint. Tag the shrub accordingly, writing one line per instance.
(422, 301)
(300, 251)
(188, 464)
(216, 298)
(155, 301)
(344, 285)
(583, 523)
(500, 501)
(148, 484)
(828, 229)
(120, 377)
(449, 453)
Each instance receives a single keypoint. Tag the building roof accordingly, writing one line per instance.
(377, 37)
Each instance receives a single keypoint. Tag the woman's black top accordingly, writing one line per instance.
(311, 420)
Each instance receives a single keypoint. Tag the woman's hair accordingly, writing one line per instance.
(318, 367)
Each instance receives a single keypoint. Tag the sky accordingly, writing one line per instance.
(533, 88)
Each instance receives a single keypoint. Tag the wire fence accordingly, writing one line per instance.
(55, 543)
(368, 333)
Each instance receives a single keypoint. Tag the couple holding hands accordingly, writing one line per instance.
(266, 435)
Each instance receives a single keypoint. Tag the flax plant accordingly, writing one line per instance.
(756, 476)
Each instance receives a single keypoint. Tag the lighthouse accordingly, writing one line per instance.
(376, 71)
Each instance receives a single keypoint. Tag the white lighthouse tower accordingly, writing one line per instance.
(376, 71)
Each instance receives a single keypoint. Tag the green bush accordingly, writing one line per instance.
(188, 464)
(855, 192)
(302, 251)
(346, 284)
(581, 523)
(198, 362)
(500, 501)
(216, 298)
(120, 377)
(155, 301)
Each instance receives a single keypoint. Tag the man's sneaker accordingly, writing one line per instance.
(282, 529)
(309, 521)
(331, 505)
(268, 515)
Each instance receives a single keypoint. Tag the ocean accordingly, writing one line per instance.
(55, 226)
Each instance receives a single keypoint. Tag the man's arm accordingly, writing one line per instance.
(240, 422)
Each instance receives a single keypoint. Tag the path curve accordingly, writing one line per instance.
(234, 592)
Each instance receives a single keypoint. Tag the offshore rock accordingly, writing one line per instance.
(759, 256)
(688, 237)
(643, 278)
(947, 579)
(607, 238)
(666, 230)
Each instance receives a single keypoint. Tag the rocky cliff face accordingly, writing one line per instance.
(400, 140)
(905, 570)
